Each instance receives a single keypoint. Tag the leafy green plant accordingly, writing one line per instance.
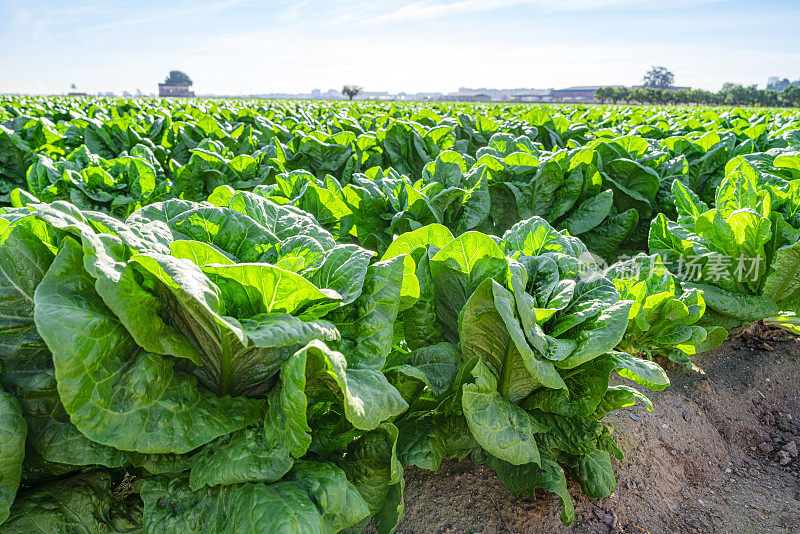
(663, 319)
(743, 254)
(536, 342)
(198, 332)
(143, 336)
(116, 186)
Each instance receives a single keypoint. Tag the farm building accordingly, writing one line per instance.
(178, 91)
(582, 93)
(534, 95)
(468, 97)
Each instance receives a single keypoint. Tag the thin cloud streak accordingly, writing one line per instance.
(422, 10)
(176, 14)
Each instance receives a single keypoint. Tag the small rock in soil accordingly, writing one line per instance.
(634, 416)
(765, 447)
(785, 423)
(606, 518)
(784, 458)
(791, 448)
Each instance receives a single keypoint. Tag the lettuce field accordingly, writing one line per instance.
(251, 316)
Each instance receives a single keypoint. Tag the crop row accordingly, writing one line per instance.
(249, 317)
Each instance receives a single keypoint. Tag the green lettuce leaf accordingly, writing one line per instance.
(503, 429)
(83, 503)
(95, 359)
(13, 430)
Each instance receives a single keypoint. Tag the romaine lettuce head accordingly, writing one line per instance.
(151, 346)
(535, 328)
(743, 254)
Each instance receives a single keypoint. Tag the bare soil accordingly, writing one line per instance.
(707, 459)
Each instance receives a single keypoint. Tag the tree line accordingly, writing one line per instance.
(729, 95)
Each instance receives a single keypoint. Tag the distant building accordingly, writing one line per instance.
(77, 94)
(374, 95)
(777, 84)
(429, 96)
(533, 95)
(177, 91)
(468, 97)
(579, 93)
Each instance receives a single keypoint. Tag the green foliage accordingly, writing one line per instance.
(658, 78)
(351, 91)
(177, 77)
(730, 94)
(663, 319)
(745, 253)
(248, 316)
(535, 339)
(147, 335)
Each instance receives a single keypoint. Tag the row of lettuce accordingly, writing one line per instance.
(375, 171)
(251, 373)
(220, 318)
(256, 376)
(371, 171)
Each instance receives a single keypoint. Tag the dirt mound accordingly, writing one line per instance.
(718, 454)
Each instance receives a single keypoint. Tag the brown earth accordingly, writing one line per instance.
(707, 459)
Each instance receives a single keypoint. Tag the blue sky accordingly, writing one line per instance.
(241, 47)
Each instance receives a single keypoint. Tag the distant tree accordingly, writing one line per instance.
(752, 95)
(790, 96)
(699, 96)
(658, 78)
(600, 95)
(651, 95)
(731, 95)
(73, 86)
(604, 94)
(727, 86)
(636, 95)
(620, 94)
(735, 95)
(177, 77)
(684, 96)
(768, 98)
(352, 91)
